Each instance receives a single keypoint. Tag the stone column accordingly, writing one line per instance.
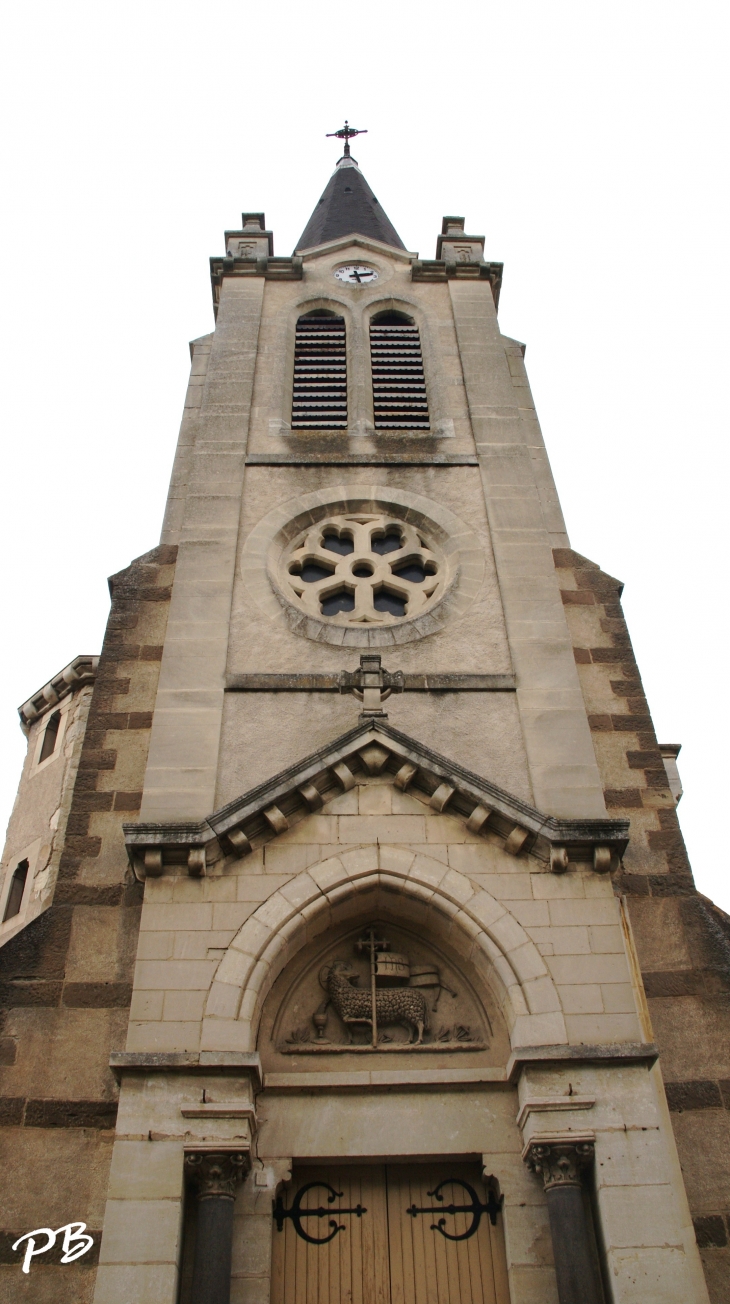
(560, 1165)
(214, 1175)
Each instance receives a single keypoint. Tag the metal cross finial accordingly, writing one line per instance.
(346, 133)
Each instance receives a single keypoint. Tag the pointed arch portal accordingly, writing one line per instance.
(478, 927)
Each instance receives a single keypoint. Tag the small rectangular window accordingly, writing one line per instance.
(50, 737)
(17, 888)
(320, 373)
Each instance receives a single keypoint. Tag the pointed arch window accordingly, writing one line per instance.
(320, 373)
(399, 383)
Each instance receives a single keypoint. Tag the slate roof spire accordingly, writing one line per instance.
(348, 207)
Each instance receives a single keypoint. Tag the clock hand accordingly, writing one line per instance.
(356, 274)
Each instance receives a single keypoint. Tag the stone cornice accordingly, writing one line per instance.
(242, 1063)
(553, 1105)
(339, 681)
(82, 670)
(362, 459)
(611, 1052)
(439, 269)
(272, 269)
(374, 747)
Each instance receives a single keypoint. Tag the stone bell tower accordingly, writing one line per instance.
(368, 747)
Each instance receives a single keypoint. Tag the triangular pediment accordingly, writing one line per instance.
(357, 241)
(374, 748)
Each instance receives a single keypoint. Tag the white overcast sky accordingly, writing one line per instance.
(587, 140)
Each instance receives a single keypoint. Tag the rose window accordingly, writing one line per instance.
(363, 570)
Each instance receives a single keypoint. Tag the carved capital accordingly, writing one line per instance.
(216, 1173)
(559, 1162)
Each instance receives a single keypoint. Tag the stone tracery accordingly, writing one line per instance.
(363, 569)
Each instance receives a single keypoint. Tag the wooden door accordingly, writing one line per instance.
(344, 1210)
(396, 1234)
(428, 1266)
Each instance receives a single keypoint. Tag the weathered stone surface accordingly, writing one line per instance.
(65, 978)
(214, 1023)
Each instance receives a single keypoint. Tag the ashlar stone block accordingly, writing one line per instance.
(155, 1283)
(146, 1170)
(141, 1231)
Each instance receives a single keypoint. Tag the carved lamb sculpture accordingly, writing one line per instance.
(396, 1005)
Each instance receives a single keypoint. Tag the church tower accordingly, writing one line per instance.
(349, 938)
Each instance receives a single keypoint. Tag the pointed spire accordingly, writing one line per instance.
(348, 206)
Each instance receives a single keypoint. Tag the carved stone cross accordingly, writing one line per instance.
(371, 684)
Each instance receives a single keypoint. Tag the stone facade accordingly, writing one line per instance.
(395, 884)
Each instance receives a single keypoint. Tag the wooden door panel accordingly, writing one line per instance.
(352, 1267)
(387, 1255)
(426, 1266)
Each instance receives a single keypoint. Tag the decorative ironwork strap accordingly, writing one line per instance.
(296, 1213)
(476, 1209)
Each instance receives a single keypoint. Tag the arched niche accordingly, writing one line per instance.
(373, 882)
(419, 977)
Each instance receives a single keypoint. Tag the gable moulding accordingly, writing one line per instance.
(373, 747)
(360, 242)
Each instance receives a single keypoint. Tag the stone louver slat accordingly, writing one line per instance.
(398, 346)
(373, 748)
(320, 374)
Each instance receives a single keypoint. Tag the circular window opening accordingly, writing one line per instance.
(364, 569)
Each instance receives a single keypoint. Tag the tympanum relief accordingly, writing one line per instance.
(378, 989)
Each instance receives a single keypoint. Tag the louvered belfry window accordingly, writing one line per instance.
(320, 373)
(399, 385)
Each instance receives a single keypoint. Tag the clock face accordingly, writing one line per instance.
(356, 274)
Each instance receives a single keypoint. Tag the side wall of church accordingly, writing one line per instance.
(683, 940)
(66, 979)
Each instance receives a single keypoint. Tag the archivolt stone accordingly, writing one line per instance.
(369, 881)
